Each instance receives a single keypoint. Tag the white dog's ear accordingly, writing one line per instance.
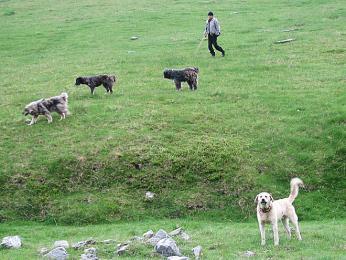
(271, 197)
(256, 199)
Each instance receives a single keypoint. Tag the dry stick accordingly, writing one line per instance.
(199, 46)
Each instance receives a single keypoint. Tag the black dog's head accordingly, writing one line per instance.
(167, 74)
(79, 81)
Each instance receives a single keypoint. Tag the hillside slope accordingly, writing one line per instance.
(262, 115)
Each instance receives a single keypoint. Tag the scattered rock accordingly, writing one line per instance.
(290, 30)
(11, 242)
(89, 254)
(149, 195)
(178, 258)
(161, 234)
(285, 41)
(175, 232)
(43, 251)
(249, 254)
(82, 244)
(184, 236)
(134, 38)
(197, 252)
(108, 241)
(149, 234)
(136, 238)
(122, 248)
(61, 243)
(58, 253)
(167, 247)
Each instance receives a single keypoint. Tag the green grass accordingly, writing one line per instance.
(261, 115)
(219, 240)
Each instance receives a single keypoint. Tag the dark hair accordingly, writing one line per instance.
(210, 14)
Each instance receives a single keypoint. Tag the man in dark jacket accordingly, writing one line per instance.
(212, 30)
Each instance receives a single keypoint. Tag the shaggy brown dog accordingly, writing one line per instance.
(93, 82)
(189, 75)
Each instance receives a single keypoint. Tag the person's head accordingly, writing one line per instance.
(210, 15)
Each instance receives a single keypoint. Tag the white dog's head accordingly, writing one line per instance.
(264, 200)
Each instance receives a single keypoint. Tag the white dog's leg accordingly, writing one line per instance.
(285, 222)
(49, 118)
(294, 220)
(62, 116)
(33, 120)
(275, 232)
(263, 233)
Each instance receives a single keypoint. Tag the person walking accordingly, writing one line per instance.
(212, 31)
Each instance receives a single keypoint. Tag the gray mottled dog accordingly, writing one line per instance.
(94, 81)
(189, 75)
(46, 106)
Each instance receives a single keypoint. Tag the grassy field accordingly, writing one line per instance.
(263, 114)
(219, 240)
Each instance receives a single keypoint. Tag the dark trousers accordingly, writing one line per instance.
(212, 40)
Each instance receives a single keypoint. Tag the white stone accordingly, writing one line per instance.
(149, 234)
(149, 195)
(175, 232)
(61, 243)
(11, 242)
(178, 258)
(197, 252)
(249, 254)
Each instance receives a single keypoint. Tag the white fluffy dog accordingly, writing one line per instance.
(272, 211)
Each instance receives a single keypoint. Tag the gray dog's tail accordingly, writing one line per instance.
(295, 184)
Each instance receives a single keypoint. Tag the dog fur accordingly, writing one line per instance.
(272, 211)
(93, 82)
(46, 106)
(189, 75)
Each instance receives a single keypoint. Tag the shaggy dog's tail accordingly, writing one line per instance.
(113, 78)
(295, 184)
(64, 96)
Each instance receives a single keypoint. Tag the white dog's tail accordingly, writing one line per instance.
(295, 184)
(64, 96)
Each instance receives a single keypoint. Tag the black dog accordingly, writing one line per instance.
(189, 75)
(93, 82)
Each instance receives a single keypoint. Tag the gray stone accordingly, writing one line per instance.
(161, 234)
(149, 195)
(82, 244)
(134, 38)
(184, 236)
(136, 238)
(175, 232)
(61, 243)
(167, 247)
(249, 254)
(58, 253)
(197, 252)
(108, 241)
(178, 258)
(43, 251)
(89, 254)
(122, 248)
(11, 242)
(149, 234)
